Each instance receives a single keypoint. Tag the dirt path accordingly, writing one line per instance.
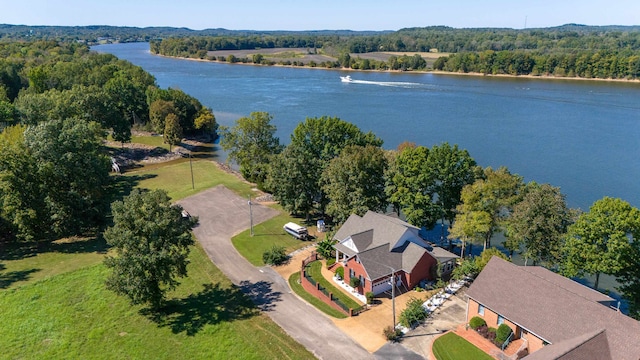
(223, 214)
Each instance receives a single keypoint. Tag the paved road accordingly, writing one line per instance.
(223, 214)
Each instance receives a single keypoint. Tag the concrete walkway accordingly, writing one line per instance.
(223, 214)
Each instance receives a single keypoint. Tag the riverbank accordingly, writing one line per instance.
(435, 72)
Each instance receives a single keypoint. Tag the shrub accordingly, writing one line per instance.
(418, 289)
(331, 261)
(483, 330)
(491, 334)
(340, 272)
(354, 282)
(476, 322)
(413, 313)
(502, 333)
(391, 334)
(274, 256)
(369, 295)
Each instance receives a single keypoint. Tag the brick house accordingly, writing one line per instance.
(556, 317)
(374, 246)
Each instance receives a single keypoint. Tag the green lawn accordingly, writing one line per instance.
(452, 347)
(157, 141)
(175, 178)
(294, 283)
(28, 262)
(55, 305)
(315, 269)
(265, 235)
(72, 315)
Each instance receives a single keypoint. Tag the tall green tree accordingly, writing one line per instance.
(629, 277)
(158, 111)
(251, 142)
(451, 169)
(538, 223)
(354, 182)
(172, 130)
(489, 201)
(206, 122)
(599, 239)
(314, 143)
(414, 186)
(292, 178)
(22, 205)
(151, 239)
(74, 171)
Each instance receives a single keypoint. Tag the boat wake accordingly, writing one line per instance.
(348, 79)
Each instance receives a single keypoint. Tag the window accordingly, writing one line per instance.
(361, 280)
(480, 309)
(500, 320)
(351, 273)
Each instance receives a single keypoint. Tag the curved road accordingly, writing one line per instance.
(223, 214)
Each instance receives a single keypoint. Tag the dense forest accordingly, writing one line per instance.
(567, 51)
(604, 52)
(58, 103)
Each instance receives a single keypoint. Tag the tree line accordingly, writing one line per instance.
(611, 52)
(332, 169)
(603, 64)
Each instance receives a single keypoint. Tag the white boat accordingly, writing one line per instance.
(346, 78)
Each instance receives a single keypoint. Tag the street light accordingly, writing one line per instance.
(250, 216)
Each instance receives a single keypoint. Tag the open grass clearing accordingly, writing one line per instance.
(150, 140)
(175, 178)
(265, 235)
(315, 271)
(452, 347)
(72, 315)
(294, 283)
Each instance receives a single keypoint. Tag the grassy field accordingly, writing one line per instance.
(72, 315)
(176, 179)
(452, 347)
(157, 141)
(294, 283)
(266, 235)
(55, 305)
(315, 269)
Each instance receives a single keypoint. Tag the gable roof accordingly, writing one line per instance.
(387, 229)
(554, 308)
(372, 236)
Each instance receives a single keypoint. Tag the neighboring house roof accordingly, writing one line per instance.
(383, 242)
(569, 316)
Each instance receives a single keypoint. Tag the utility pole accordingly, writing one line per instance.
(393, 296)
(191, 167)
(250, 216)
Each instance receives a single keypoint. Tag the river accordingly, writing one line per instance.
(583, 136)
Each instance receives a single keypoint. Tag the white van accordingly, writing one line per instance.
(299, 232)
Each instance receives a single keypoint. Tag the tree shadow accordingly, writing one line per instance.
(72, 245)
(261, 294)
(123, 185)
(210, 306)
(8, 278)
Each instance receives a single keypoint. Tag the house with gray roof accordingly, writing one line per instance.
(375, 246)
(553, 316)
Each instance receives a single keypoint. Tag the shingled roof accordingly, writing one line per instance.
(567, 315)
(372, 238)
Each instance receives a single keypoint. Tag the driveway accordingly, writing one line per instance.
(223, 214)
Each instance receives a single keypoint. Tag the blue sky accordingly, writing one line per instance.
(319, 14)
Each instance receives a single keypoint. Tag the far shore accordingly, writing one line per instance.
(435, 72)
